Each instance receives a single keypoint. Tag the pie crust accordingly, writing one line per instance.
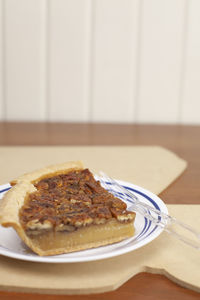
(114, 226)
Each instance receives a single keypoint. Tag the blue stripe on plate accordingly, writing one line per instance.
(146, 228)
(144, 195)
(149, 199)
(5, 190)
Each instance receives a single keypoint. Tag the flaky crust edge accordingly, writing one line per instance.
(15, 197)
(50, 170)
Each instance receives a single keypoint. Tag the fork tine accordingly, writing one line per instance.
(133, 197)
(109, 183)
(123, 190)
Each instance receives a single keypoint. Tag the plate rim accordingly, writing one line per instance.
(98, 256)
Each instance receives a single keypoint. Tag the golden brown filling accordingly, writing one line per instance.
(69, 201)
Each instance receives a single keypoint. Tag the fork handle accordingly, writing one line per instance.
(182, 238)
(167, 223)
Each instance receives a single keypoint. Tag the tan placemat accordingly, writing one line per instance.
(165, 255)
(151, 167)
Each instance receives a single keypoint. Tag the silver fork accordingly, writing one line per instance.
(154, 215)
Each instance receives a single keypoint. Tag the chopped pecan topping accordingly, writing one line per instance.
(69, 201)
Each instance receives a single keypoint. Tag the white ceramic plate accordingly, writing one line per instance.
(145, 232)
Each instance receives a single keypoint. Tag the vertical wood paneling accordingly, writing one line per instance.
(190, 108)
(114, 65)
(68, 59)
(23, 23)
(1, 63)
(162, 27)
(44, 68)
(100, 60)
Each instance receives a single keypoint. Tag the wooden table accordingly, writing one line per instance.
(183, 140)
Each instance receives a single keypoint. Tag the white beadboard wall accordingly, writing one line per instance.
(130, 61)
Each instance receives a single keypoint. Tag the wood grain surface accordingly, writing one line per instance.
(183, 140)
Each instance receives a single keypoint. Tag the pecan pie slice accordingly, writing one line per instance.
(62, 208)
